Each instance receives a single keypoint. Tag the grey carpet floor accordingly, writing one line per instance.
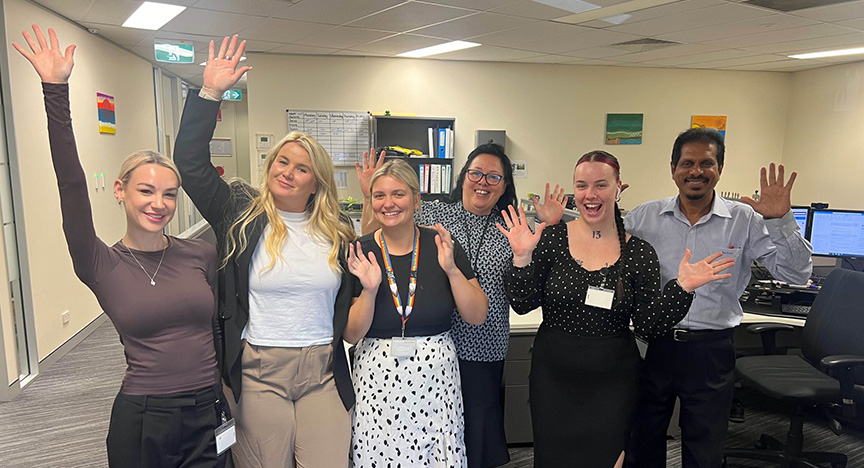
(61, 419)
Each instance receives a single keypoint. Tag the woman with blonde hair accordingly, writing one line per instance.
(406, 373)
(159, 292)
(285, 289)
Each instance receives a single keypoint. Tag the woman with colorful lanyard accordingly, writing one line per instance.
(406, 375)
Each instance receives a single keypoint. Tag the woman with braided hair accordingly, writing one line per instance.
(592, 279)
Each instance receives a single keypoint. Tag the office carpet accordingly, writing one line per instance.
(61, 419)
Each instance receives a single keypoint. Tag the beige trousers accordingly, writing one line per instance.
(290, 414)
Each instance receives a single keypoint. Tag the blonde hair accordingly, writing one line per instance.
(322, 208)
(140, 158)
(399, 170)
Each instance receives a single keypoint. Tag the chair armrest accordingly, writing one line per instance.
(768, 332)
(842, 367)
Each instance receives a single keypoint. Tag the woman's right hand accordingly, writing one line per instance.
(221, 72)
(365, 172)
(365, 269)
(51, 65)
(522, 240)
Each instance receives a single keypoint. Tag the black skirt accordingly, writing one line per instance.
(583, 392)
(483, 397)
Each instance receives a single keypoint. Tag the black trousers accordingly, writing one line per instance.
(483, 399)
(167, 431)
(702, 375)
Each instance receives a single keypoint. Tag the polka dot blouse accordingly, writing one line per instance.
(555, 281)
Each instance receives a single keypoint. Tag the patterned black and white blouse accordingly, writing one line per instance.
(491, 257)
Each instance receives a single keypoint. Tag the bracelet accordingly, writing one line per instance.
(682, 287)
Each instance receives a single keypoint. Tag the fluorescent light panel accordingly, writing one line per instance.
(829, 53)
(439, 49)
(152, 15)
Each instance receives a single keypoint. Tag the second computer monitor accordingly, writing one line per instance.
(837, 233)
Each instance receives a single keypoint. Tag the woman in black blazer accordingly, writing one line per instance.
(283, 358)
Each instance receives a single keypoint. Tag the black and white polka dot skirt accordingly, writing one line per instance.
(409, 410)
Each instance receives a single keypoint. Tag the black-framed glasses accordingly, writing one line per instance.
(491, 179)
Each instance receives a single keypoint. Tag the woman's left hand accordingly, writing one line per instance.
(365, 269)
(221, 72)
(444, 241)
(52, 65)
(694, 275)
(552, 209)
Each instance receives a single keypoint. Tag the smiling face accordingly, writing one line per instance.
(480, 197)
(291, 179)
(595, 187)
(697, 172)
(149, 197)
(393, 202)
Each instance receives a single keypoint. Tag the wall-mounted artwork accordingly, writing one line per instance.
(623, 129)
(717, 122)
(105, 105)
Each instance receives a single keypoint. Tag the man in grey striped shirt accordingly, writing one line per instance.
(696, 362)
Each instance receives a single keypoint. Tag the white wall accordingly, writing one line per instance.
(99, 67)
(824, 137)
(552, 113)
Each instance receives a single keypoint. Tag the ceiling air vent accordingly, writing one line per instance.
(643, 45)
(792, 5)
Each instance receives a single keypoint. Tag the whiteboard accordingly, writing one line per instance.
(344, 134)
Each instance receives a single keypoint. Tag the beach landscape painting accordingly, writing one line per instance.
(624, 129)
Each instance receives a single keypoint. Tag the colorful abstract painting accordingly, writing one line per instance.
(105, 105)
(623, 129)
(717, 122)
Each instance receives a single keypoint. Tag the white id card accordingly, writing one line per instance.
(225, 436)
(402, 347)
(599, 297)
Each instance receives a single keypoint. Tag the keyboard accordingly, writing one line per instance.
(795, 309)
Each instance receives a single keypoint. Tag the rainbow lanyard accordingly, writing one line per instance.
(391, 277)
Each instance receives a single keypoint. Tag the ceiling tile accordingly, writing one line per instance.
(857, 23)
(699, 58)
(763, 24)
(209, 22)
(475, 25)
(539, 31)
(410, 16)
(75, 10)
(531, 9)
(833, 13)
(486, 54)
(111, 11)
(398, 44)
(659, 12)
(479, 5)
(783, 35)
(357, 53)
(666, 52)
(780, 66)
(693, 19)
(343, 37)
(126, 37)
(303, 50)
(546, 58)
(812, 45)
(280, 30)
(753, 59)
(261, 46)
(246, 7)
(596, 52)
(336, 12)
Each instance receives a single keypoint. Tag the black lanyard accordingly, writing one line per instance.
(476, 254)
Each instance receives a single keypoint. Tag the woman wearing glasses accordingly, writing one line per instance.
(485, 187)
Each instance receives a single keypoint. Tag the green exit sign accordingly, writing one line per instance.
(232, 95)
(175, 52)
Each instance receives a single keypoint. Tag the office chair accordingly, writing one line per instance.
(831, 371)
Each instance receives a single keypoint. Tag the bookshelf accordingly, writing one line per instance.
(413, 133)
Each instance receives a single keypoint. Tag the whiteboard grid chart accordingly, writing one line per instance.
(344, 134)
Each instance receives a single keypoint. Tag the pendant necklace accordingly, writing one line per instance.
(152, 278)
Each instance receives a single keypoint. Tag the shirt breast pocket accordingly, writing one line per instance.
(736, 254)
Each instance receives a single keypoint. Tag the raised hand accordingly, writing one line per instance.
(444, 241)
(522, 240)
(552, 209)
(365, 172)
(221, 72)
(365, 269)
(775, 196)
(52, 65)
(694, 275)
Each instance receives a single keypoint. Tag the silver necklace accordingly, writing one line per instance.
(152, 278)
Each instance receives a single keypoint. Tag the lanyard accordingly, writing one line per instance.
(473, 258)
(391, 277)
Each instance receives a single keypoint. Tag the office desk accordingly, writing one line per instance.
(517, 364)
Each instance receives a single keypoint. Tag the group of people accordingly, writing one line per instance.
(424, 296)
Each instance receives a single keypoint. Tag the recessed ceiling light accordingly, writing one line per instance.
(152, 15)
(617, 19)
(573, 6)
(829, 53)
(204, 64)
(439, 49)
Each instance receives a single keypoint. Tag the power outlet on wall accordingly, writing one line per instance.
(65, 317)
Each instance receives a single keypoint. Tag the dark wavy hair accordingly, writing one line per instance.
(493, 149)
(699, 135)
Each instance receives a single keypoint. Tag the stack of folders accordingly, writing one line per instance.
(440, 143)
(435, 178)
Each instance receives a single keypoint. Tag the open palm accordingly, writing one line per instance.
(522, 240)
(52, 65)
(221, 72)
(694, 275)
(366, 269)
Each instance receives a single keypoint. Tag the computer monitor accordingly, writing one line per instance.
(837, 233)
(802, 216)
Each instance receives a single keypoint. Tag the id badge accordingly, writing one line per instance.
(599, 297)
(225, 436)
(402, 347)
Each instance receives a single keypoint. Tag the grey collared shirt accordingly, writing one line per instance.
(732, 228)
